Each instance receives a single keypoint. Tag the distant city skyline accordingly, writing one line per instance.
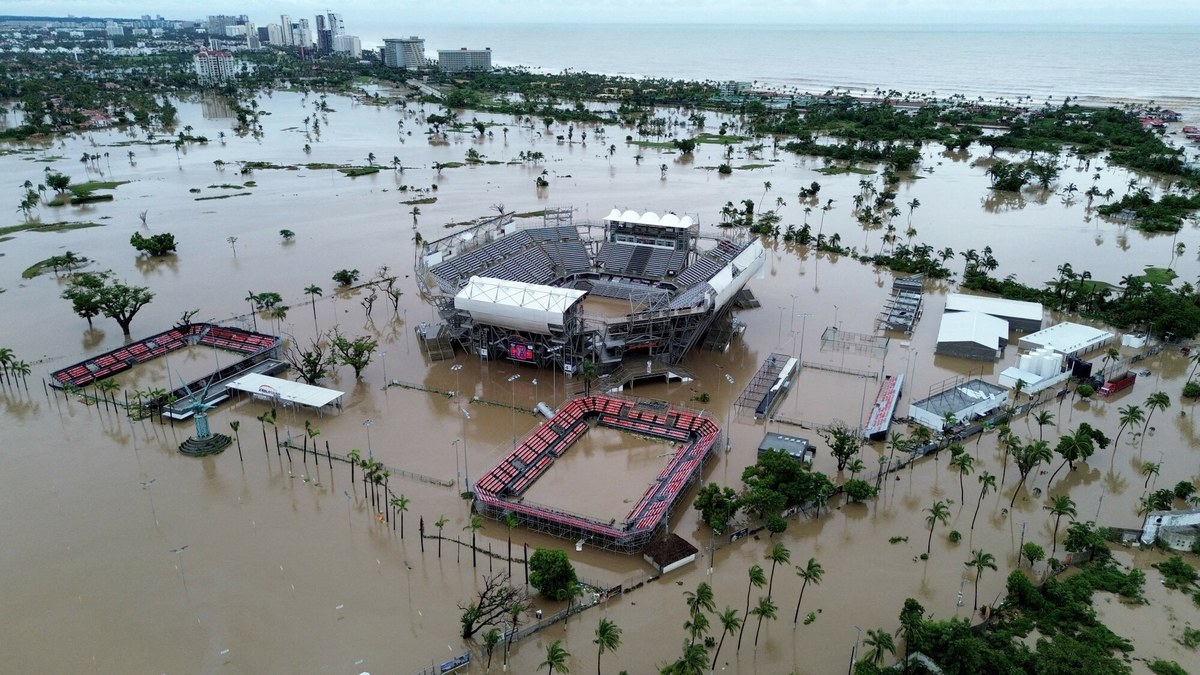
(365, 13)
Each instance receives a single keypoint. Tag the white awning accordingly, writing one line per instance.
(276, 389)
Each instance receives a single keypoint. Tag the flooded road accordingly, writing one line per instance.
(287, 569)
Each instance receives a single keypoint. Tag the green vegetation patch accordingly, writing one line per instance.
(61, 226)
(1164, 215)
(839, 170)
(653, 144)
(718, 139)
(228, 186)
(751, 167)
(86, 189)
(530, 214)
(252, 166)
(236, 194)
(356, 171)
(422, 200)
(1159, 275)
(452, 165)
(88, 199)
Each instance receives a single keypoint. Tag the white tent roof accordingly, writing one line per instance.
(1067, 338)
(285, 390)
(649, 218)
(1018, 309)
(515, 304)
(974, 327)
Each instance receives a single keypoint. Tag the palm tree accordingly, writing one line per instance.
(778, 554)
(416, 211)
(1149, 469)
(810, 572)
(765, 609)
(1060, 506)
(439, 524)
(757, 580)
(490, 640)
(964, 463)
(1156, 401)
(987, 482)
(1028, 457)
(556, 658)
(608, 638)
(730, 621)
(400, 504)
(880, 642)
(474, 525)
(696, 626)
(313, 291)
(371, 158)
(1072, 448)
(939, 512)
(1043, 417)
(980, 560)
(693, 661)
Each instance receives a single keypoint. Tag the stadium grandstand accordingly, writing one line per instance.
(551, 297)
(499, 492)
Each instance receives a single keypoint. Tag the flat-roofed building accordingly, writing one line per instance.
(1022, 317)
(1068, 339)
(214, 66)
(458, 60)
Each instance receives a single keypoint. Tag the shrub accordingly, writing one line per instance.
(154, 245)
(955, 536)
(1085, 391)
(1184, 489)
(1191, 389)
(551, 573)
(346, 277)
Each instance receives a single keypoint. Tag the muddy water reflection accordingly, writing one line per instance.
(285, 573)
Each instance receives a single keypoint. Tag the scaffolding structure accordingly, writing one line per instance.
(761, 383)
(903, 307)
(836, 340)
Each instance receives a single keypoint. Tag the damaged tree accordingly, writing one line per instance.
(493, 604)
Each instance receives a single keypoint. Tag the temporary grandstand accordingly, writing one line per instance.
(500, 491)
(259, 354)
(552, 297)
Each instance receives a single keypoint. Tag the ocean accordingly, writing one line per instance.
(1100, 63)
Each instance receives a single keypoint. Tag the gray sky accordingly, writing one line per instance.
(874, 12)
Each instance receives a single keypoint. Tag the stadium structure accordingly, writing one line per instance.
(500, 491)
(551, 297)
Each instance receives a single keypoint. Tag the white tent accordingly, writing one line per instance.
(285, 391)
(515, 304)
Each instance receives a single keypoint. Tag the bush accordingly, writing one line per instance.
(1191, 389)
(858, 489)
(1184, 489)
(346, 277)
(775, 523)
(1160, 667)
(1085, 391)
(154, 245)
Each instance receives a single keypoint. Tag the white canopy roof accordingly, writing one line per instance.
(1068, 338)
(515, 304)
(285, 390)
(974, 327)
(1017, 309)
(649, 218)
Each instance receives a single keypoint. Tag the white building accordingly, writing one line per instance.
(406, 53)
(214, 66)
(1068, 339)
(113, 29)
(347, 44)
(1023, 317)
(457, 60)
(285, 23)
(972, 335)
(275, 35)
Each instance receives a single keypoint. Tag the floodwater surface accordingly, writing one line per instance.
(121, 555)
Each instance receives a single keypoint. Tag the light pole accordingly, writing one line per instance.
(779, 337)
(367, 423)
(457, 475)
(513, 381)
(803, 324)
(179, 552)
(835, 315)
(383, 358)
(466, 466)
(457, 378)
(535, 391)
(854, 652)
(792, 327)
(729, 411)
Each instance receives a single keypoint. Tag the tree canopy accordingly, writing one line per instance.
(551, 573)
(96, 293)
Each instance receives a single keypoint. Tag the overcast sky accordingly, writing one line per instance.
(364, 12)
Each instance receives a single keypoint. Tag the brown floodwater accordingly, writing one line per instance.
(286, 568)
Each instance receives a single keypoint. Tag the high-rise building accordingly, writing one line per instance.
(218, 23)
(113, 29)
(285, 23)
(324, 36)
(275, 35)
(349, 45)
(336, 25)
(252, 41)
(213, 66)
(264, 35)
(457, 60)
(404, 52)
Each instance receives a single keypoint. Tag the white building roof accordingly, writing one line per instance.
(515, 304)
(1019, 309)
(1067, 338)
(974, 327)
(274, 388)
(649, 218)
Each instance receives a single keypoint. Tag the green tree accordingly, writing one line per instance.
(439, 524)
(551, 573)
(556, 658)
(313, 291)
(475, 524)
(1043, 418)
(912, 617)
(980, 560)
(490, 640)
(155, 245)
(844, 443)
(1028, 456)
(938, 513)
(59, 182)
(345, 277)
(101, 293)
(812, 572)
(684, 145)
(510, 523)
(717, 506)
(1033, 552)
(355, 353)
(963, 463)
(693, 661)
(400, 505)
(608, 638)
